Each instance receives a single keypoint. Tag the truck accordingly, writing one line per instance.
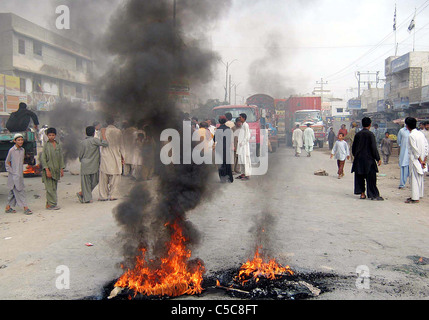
(266, 105)
(279, 105)
(253, 120)
(30, 146)
(303, 110)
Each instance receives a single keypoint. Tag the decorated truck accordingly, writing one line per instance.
(6, 142)
(303, 110)
(266, 105)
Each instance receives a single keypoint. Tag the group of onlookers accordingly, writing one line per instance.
(364, 150)
(105, 155)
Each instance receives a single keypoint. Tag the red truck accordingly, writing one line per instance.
(253, 120)
(302, 110)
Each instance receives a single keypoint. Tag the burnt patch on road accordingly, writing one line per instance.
(299, 286)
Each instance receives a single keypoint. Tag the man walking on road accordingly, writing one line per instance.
(112, 159)
(297, 140)
(404, 159)
(309, 139)
(418, 153)
(366, 158)
(15, 180)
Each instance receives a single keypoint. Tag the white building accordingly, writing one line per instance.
(50, 67)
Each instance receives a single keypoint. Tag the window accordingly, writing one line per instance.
(22, 85)
(79, 91)
(21, 46)
(79, 65)
(37, 48)
(37, 84)
(340, 110)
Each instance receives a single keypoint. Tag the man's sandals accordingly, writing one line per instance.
(409, 200)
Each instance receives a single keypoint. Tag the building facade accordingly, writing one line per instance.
(406, 89)
(49, 67)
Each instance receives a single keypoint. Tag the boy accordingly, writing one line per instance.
(386, 148)
(89, 157)
(15, 180)
(342, 152)
(52, 161)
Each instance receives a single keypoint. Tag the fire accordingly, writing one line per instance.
(258, 268)
(32, 170)
(173, 277)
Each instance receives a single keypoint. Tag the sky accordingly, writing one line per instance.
(283, 47)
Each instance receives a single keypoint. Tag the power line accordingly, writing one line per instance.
(421, 8)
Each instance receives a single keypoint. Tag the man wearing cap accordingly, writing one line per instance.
(15, 179)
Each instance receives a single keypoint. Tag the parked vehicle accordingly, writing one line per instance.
(6, 142)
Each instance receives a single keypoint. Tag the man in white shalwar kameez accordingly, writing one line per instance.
(404, 159)
(309, 139)
(297, 140)
(243, 149)
(418, 152)
(111, 161)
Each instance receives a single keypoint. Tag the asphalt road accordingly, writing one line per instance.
(317, 225)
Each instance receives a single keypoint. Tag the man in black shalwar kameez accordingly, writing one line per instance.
(224, 132)
(366, 158)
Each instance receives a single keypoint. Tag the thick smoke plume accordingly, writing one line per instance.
(70, 119)
(151, 52)
(264, 73)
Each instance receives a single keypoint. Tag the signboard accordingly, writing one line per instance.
(381, 106)
(401, 63)
(12, 83)
(354, 104)
(401, 103)
(425, 94)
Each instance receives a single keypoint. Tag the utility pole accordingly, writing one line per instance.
(4, 94)
(227, 65)
(229, 88)
(369, 82)
(235, 92)
(321, 88)
(174, 13)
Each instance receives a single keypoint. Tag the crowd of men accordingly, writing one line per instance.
(105, 155)
(366, 146)
(236, 137)
(108, 153)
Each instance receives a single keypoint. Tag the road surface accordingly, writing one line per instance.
(318, 225)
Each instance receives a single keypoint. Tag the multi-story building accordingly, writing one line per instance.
(407, 78)
(49, 67)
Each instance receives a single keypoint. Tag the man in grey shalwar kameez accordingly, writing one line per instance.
(89, 157)
(15, 181)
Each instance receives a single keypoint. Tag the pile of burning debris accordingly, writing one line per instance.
(257, 279)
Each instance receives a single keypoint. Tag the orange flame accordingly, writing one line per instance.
(258, 268)
(174, 277)
(35, 170)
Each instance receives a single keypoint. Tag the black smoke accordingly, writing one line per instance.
(151, 51)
